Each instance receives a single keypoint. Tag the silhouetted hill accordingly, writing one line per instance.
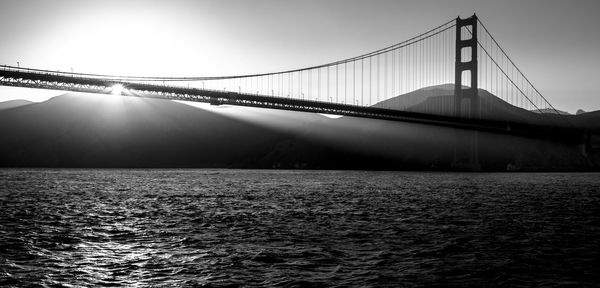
(13, 104)
(89, 130)
(100, 131)
(589, 120)
(440, 100)
(550, 111)
(85, 130)
(413, 99)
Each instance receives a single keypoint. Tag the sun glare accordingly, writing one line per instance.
(117, 89)
(332, 116)
(118, 44)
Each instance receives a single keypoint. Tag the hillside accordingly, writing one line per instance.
(440, 100)
(85, 130)
(92, 130)
(14, 104)
(550, 111)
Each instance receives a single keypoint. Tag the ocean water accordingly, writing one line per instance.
(229, 228)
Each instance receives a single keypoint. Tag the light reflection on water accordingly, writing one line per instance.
(139, 228)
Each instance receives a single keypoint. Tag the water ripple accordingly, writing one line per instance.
(228, 228)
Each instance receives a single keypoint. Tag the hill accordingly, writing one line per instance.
(440, 100)
(13, 104)
(550, 111)
(85, 130)
(98, 131)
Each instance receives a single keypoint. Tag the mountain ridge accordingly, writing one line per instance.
(14, 104)
(87, 130)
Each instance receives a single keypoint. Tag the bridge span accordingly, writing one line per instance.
(40, 80)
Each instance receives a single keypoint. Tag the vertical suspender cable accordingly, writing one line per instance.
(337, 68)
(370, 79)
(385, 77)
(319, 84)
(377, 78)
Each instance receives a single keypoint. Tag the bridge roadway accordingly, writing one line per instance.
(71, 82)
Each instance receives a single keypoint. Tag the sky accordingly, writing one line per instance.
(555, 43)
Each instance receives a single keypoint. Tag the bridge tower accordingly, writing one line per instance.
(466, 99)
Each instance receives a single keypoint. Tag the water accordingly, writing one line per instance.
(214, 228)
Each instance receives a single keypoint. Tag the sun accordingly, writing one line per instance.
(117, 89)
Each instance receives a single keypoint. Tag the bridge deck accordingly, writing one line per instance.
(215, 97)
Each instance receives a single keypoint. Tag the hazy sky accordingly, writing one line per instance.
(555, 42)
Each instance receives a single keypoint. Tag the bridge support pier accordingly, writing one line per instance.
(466, 99)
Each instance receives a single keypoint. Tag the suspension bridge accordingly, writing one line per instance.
(455, 74)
